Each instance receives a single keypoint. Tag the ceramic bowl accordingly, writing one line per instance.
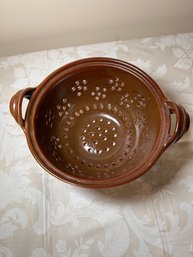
(98, 122)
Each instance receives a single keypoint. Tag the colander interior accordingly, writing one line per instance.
(97, 123)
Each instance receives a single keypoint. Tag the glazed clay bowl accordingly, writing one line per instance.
(98, 122)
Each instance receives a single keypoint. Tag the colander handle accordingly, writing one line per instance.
(15, 104)
(182, 122)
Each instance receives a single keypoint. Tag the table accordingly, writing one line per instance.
(41, 216)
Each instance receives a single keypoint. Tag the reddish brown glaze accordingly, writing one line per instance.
(98, 122)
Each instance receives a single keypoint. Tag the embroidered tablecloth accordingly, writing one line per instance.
(41, 216)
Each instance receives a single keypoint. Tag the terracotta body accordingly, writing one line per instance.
(98, 122)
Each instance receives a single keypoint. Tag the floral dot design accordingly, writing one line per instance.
(140, 100)
(126, 100)
(49, 118)
(147, 134)
(56, 145)
(134, 98)
(56, 142)
(116, 84)
(99, 93)
(63, 107)
(140, 121)
(79, 87)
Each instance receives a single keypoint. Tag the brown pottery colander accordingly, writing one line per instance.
(98, 122)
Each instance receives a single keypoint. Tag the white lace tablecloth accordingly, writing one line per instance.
(41, 216)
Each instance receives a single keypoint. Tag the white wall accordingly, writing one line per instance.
(30, 25)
